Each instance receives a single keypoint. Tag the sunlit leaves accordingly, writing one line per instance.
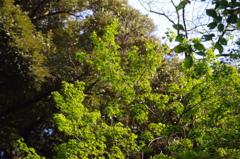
(22, 148)
(192, 110)
(157, 128)
(125, 77)
(89, 134)
(114, 110)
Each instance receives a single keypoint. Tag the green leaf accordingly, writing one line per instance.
(217, 19)
(196, 40)
(220, 27)
(211, 13)
(188, 61)
(219, 47)
(224, 3)
(199, 46)
(203, 154)
(147, 149)
(208, 37)
(222, 41)
(181, 5)
(212, 25)
(189, 49)
(180, 38)
(232, 19)
(238, 23)
(217, 4)
(178, 27)
(225, 12)
(179, 48)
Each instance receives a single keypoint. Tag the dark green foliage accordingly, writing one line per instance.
(38, 45)
(188, 61)
(178, 27)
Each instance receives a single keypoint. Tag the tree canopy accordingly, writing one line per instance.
(88, 79)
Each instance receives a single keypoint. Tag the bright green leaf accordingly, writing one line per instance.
(196, 40)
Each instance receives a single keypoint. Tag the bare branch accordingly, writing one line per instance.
(54, 13)
(184, 23)
(152, 11)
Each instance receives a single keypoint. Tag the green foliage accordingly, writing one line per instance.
(38, 45)
(199, 104)
(22, 149)
(224, 12)
(94, 137)
(211, 12)
(121, 98)
(91, 137)
(22, 41)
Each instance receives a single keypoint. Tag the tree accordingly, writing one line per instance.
(201, 25)
(195, 117)
(39, 41)
(114, 92)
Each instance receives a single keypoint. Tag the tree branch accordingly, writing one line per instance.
(152, 11)
(36, 9)
(27, 103)
(54, 13)
(184, 23)
(227, 55)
